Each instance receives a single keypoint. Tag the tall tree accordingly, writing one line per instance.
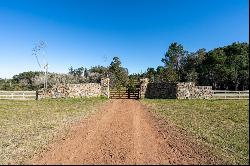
(118, 74)
(192, 65)
(238, 64)
(215, 70)
(174, 60)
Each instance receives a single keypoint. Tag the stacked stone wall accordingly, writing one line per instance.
(84, 90)
(78, 90)
(161, 90)
(183, 90)
(204, 92)
(188, 90)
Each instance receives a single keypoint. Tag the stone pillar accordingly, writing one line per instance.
(105, 87)
(143, 87)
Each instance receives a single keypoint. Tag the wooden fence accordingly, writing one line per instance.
(33, 95)
(19, 95)
(224, 94)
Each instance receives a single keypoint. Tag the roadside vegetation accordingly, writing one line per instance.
(221, 124)
(26, 126)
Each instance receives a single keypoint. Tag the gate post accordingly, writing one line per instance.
(143, 87)
(105, 87)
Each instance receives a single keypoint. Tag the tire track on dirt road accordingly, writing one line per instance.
(124, 132)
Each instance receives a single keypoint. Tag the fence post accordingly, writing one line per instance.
(36, 94)
(12, 95)
(23, 95)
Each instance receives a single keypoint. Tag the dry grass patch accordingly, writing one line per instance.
(26, 126)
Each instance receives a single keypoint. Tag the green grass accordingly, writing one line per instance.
(221, 124)
(26, 126)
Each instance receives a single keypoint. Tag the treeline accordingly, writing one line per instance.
(34, 80)
(225, 68)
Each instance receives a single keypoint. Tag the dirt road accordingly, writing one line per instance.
(124, 132)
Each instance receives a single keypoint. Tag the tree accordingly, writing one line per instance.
(170, 74)
(160, 74)
(226, 67)
(150, 74)
(26, 80)
(77, 74)
(215, 68)
(238, 64)
(103, 71)
(173, 61)
(192, 65)
(118, 75)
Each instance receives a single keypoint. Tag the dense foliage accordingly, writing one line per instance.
(35, 80)
(223, 68)
(117, 74)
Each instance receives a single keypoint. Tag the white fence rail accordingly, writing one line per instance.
(18, 95)
(33, 95)
(224, 94)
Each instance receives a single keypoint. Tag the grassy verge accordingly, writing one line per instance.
(221, 124)
(26, 126)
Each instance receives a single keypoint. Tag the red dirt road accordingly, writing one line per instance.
(124, 132)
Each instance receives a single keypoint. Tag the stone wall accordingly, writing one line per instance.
(78, 90)
(184, 90)
(204, 92)
(157, 90)
(188, 90)
(161, 91)
(84, 90)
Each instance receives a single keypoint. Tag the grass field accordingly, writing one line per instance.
(221, 124)
(26, 126)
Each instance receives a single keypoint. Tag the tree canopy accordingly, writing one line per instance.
(223, 68)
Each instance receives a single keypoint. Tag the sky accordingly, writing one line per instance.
(91, 32)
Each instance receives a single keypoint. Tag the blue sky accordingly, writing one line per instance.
(81, 33)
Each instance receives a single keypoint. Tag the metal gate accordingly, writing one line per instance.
(124, 94)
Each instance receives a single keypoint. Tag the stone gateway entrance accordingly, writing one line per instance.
(142, 89)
